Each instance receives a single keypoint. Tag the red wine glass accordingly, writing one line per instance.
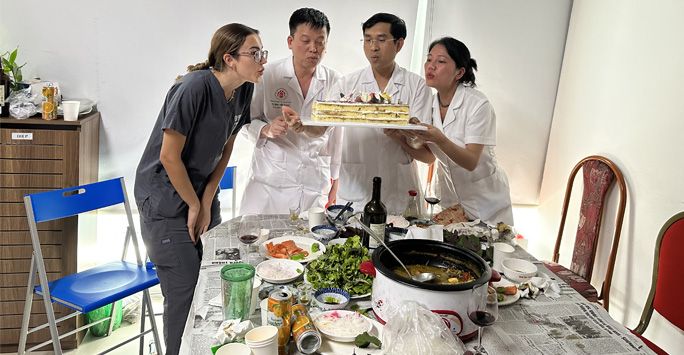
(483, 310)
(248, 232)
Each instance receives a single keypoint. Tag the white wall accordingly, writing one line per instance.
(125, 54)
(620, 95)
(518, 46)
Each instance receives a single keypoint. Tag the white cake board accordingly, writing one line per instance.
(367, 125)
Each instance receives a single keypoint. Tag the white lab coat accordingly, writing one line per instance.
(483, 193)
(292, 169)
(368, 152)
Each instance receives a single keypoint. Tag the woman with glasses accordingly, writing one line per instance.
(184, 160)
(462, 136)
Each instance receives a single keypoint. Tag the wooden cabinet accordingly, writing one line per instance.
(38, 155)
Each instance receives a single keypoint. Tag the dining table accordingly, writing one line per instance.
(563, 324)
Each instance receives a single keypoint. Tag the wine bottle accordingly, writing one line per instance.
(4, 92)
(374, 216)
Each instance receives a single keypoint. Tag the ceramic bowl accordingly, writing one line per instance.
(395, 233)
(331, 298)
(518, 270)
(335, 209)
(324, 233)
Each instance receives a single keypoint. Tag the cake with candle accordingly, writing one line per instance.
(361, 108)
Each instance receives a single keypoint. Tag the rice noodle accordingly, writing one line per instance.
(349, 324)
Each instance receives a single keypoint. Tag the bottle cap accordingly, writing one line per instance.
(413, 192)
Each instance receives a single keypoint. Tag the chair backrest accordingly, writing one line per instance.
(599, 173)
(666, 287)
(228, 182)
(50, 205)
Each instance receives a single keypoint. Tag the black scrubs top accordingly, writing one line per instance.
(195, 107)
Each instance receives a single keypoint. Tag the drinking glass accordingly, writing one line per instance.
(433, 192)
(483, 310)
(294, 215)
(248, 232)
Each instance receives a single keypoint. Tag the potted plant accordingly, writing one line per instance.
(12, 69)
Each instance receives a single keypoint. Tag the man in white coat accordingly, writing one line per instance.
(369, 152)
(293, 164)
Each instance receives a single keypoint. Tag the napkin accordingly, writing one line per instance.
(434, 232)
(233, 329)
(539, 284)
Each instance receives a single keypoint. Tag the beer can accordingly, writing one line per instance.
(49, 102)
(280, 316)
(305, 334)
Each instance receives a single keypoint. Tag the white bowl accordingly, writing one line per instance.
(334, 210)
(279, 271)
(518, 270)
(344, 334)
(234, 349)
(341, 296)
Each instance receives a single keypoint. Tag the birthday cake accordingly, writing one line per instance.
(361, 108)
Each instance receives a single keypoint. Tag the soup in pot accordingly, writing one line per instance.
(443, 276)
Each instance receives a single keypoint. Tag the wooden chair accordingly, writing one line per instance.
(91, 289)
(666, 287)
(598, 175)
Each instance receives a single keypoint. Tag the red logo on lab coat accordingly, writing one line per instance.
(281, 94)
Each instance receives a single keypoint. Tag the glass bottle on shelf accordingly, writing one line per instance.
(374, 216)
(411, 211)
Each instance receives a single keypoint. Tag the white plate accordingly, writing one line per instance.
(288, 270)
(369, 125)
(508, 299)
(398, 221)
(342, 313)
(302, 242)
(331, 347)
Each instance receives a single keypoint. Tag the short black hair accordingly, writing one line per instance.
(312, 17)
(397, 25)
(461, 55)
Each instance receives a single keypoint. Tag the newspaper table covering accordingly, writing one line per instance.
(567, 324)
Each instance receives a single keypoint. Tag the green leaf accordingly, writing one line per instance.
(13, 56)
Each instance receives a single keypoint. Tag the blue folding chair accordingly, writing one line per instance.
(228, 182)
(94, 288)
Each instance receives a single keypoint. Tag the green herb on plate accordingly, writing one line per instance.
(315, 247)
(339, 267)
(364, 340)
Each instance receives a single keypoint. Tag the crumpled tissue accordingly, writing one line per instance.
(537, 284)
(232, 330)
(434, 232)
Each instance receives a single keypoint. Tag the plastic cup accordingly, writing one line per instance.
(501, 251)
(255, 296)
(70, 109)
(237, 280)
(263, 340)
(316, 217)
(234, 349)
(264, 311)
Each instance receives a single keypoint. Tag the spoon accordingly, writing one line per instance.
(422, 277)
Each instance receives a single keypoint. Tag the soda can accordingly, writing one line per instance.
(305, 334)
(49, 102)
(280, 316)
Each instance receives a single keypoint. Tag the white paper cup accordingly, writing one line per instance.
(316, 217)
(70, 109)
(264, 311)
(234, 349)
(263, 340)
(501, 251)
(255, 295)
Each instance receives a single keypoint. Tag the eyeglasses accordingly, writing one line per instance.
(258, 55)
(379, 41)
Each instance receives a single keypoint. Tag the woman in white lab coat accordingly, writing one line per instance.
(462, 136)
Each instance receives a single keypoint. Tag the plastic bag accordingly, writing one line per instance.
(21, 104)
(132, 305)
(413, 329)
(101, 329)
